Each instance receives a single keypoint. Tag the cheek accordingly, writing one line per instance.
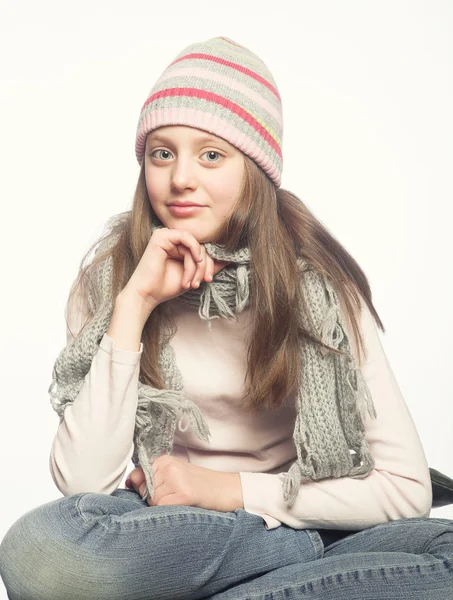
(156, 194)
(226, 198)
(154, 182)
(226, 185)
(153, 187)
(223, 207)
(233, 181)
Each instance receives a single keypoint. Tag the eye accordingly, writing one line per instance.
(209, 152)
(213, 152)
(152, 153)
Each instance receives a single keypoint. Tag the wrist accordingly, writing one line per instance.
(235, 497)
(131, 300)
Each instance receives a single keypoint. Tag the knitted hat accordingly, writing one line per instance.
(221, 87)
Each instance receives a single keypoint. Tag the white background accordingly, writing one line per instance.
(367, 94)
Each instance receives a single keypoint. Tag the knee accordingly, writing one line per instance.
(34, 556)
(439, 537)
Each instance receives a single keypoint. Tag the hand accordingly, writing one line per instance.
(178, 482)
(172, 262)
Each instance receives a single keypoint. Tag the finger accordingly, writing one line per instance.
(148, 498)
(188, 259)
(130, 484)
(201, 269)
(209, 273)
(136, 477)
(141, 490)
(184, 237)
(195, 246)
(190, 268)
(159, 483)
(129, 479)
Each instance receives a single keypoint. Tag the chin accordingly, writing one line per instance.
(201, 238)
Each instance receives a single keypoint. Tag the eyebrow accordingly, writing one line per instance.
(202, 140)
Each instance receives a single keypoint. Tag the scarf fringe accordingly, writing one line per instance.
(243, 288)
(211, 293)
(179, 405)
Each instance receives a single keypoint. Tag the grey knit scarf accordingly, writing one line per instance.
(332, 398)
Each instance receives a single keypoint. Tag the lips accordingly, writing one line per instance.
(186, 210)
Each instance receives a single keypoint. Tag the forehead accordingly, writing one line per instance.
(197, 136)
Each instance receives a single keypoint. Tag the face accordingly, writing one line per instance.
(184, 164)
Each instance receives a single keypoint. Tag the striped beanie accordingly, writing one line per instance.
(223, 88)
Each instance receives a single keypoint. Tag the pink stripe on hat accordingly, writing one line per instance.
(228, 63)
(228, 82)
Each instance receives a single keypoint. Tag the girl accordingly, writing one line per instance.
(224, 341)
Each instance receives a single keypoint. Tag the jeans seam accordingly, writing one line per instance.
(367, 573)
(203, 518)
(317, 542)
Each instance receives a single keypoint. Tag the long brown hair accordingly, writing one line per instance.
(277, 227)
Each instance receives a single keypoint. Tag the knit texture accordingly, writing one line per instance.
(223, 88)
(332, 398)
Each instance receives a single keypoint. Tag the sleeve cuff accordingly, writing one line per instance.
(252, 490)
(128, 357)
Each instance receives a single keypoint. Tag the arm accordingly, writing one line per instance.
(94, 440)
(398, 487)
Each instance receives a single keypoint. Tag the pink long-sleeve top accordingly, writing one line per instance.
(93, 444)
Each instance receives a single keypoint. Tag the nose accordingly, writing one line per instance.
(183, 174)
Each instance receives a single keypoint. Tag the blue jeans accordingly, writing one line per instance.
(98, 546)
